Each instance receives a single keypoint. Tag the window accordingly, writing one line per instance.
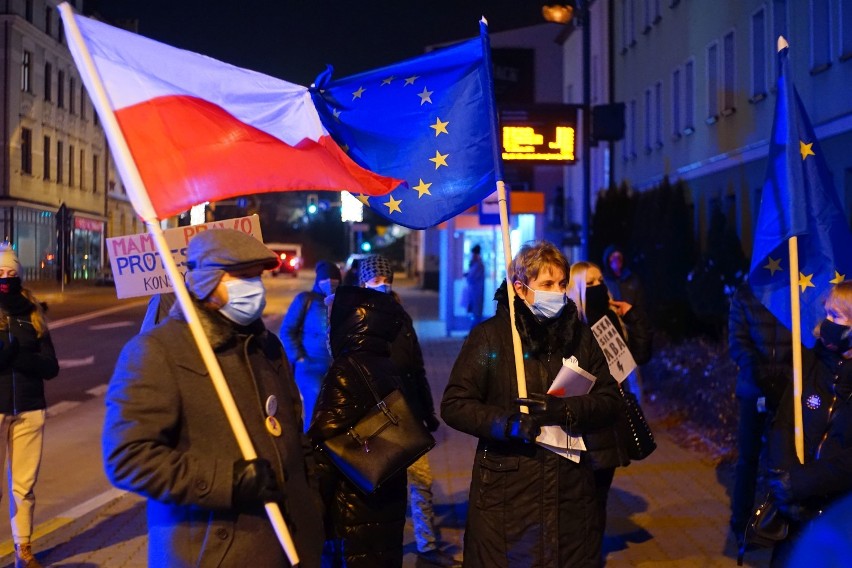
(820, 35)
(72, 95)
(712, 83)
(648, 120)
(729, 88)
(676, 104)
(26, 58)
(48, 81)
(95, 173)
(83, 102)
(658, 114)
(845, 32)
(689, 97)
(633, 128)
(82, 169)
(48, 20)
(624, 25)
(631, 21)
(647, 17)
(60, 173)
(28, 10)
(46, 166)
(71, 158)
(758, 56)
(655, 11)
(60, 89)
(26, 151)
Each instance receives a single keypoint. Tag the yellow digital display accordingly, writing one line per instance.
(538, 143)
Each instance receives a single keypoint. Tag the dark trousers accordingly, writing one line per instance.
(750, 432)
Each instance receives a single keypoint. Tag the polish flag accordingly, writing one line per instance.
(202, 130)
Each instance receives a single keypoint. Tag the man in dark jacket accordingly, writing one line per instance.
(762, 348)
(530, 506)
(622, 283)
(166, 435)
(304, 333)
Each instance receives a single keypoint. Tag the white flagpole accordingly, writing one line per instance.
(142, 204)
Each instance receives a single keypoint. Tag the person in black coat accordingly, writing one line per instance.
(623, 283)
(530, 506)
(762, 348)
(803, 490)
(607, 447)
(362, 530)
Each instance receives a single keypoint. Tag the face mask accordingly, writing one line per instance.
(246, 300)
(547, 305)
(835, 337)
(328, 287)
(385, 288)
(10, 286)
(597, 302)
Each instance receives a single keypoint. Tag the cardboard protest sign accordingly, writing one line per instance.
(136, 265)
(618, 356)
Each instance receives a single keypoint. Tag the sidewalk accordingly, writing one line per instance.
(669, 510)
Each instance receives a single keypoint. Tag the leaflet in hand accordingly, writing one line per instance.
(571, 380)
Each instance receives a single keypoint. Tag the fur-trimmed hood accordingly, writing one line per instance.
(537, 334)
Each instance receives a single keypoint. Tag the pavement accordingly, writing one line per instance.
(669, 510)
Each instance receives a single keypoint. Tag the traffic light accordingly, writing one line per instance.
(366, 246)
(313, 204)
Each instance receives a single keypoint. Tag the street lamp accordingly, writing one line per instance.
(563, 14)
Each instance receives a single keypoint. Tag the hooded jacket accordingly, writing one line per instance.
(528, 506)
(167, 438)
(625, 288)
(364, 322)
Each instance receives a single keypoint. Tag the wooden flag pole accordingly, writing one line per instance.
(142, 204)
(796, 329)
(510, 288)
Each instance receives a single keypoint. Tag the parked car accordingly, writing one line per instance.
(289, 257)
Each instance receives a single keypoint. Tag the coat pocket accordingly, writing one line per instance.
(495, 473)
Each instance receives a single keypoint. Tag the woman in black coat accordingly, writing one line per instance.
(363, 530)
(529, 506)
(803, 491)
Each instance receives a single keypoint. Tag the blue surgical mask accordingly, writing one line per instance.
(246, 300)
(547, 305)
(328, 287)
(385, 288)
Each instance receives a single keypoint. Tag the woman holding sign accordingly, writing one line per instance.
(531, 504)
(606, 449)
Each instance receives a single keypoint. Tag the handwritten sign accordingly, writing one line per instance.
(618, 356)
(137, 267)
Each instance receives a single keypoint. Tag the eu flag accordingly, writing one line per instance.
(428, 121)
(799, 199)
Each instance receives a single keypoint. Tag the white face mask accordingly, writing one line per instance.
(246, 300)
(547, 305)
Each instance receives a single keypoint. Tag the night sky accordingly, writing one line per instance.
(295, 39)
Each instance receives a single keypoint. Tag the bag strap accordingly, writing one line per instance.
(364, 378)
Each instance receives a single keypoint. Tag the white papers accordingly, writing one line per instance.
(571, 380)
(618, 357)
(555, 439)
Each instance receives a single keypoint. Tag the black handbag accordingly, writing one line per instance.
(766, 528)
(385, 441)
(640, 438)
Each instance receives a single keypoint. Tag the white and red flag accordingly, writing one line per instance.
(202, 130)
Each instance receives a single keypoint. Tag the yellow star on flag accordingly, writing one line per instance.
(410, 80)
(422, 188)
(838, 278)
(365, 199)
(439, 159)
(440, 126)
(336, 113)
(805, 149)
(805, 282)
(393, 204)
(357, 94)
(773, 266)
(388, 80)
(425, 96)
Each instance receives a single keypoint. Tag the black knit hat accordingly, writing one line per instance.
(375, 265)
(327, 271)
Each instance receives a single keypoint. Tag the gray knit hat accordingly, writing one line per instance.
(213, 252)
(372, 266)
(8, 258)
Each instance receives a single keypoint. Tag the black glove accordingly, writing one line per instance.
(431, 422)
(522, 427)
(255, 483)
(779, 485)
(548, 410)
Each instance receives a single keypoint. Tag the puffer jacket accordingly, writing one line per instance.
(528, 506)
(761, 347)
(26, 361)
(826, 475)
(366, 530)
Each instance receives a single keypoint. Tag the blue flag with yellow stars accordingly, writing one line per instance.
(798, 199)
(429, 122)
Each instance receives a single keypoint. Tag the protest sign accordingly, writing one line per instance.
(618, 356)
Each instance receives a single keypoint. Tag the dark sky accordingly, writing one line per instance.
(295, 39)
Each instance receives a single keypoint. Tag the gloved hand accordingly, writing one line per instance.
(779, 485)
(522, 427)
(431, 422)
(548, 410)
(255, 483)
